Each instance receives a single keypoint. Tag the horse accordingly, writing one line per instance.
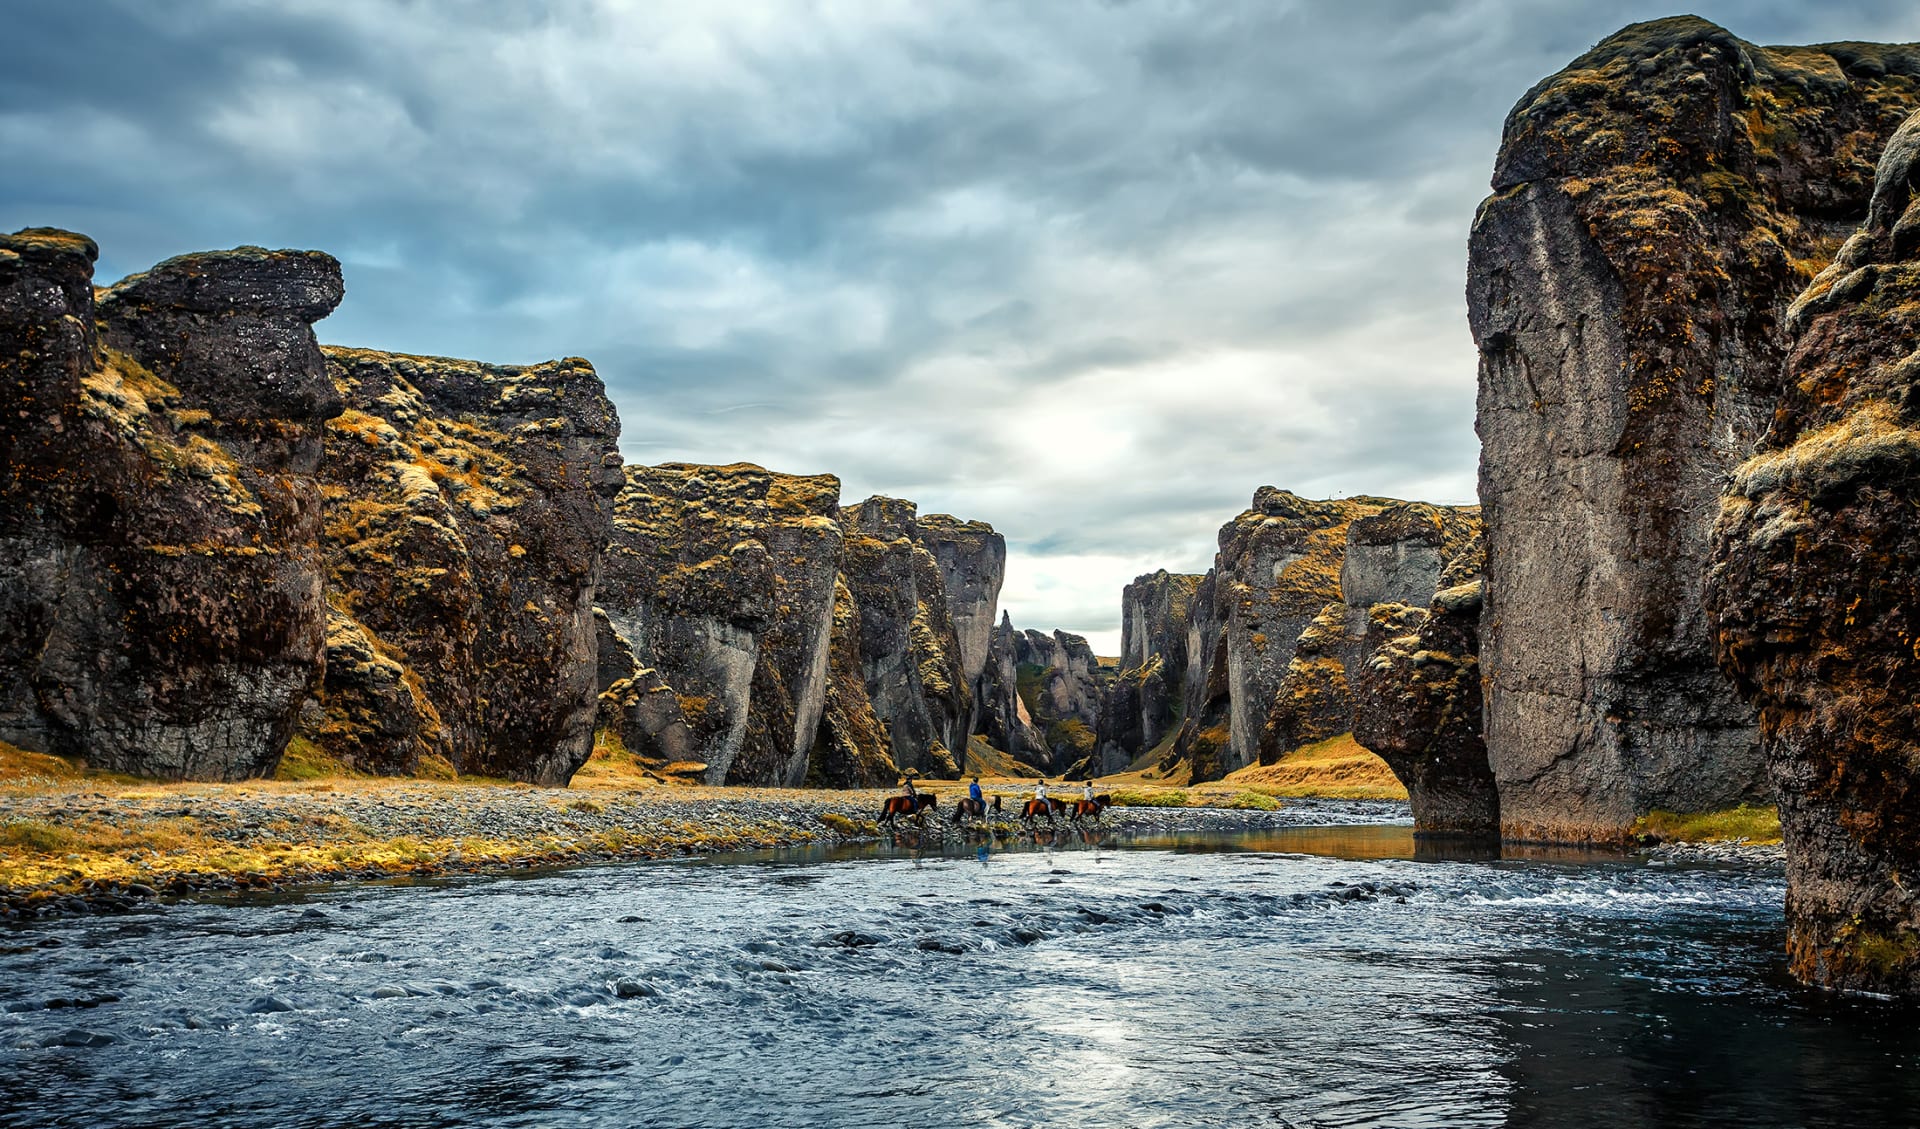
(1041, 807)
(978, 809)
(1091, 807)
(914, 805)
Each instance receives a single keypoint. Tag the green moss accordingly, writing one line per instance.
(305, 760)
(1744, 823)
(1252, 801)
(1128, 798)
(35, 837)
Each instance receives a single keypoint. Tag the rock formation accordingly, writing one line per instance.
(1394, 557)
(1418, 704)
(722, 579)
(1064, 689)
(973, 565)
(1815, 592)
(468, 508)
(1655, 207)
(1004, 719)
(160, 572)
(1146, 698)
(910, 655)
(636, 703)
(851, 748)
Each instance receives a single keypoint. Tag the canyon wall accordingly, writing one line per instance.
(1146, 699)
(1815, 595)
(467, 512)
(1655, 208)
(160, 567)
(1418, 702)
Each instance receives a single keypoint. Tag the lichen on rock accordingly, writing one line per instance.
(1815, 597)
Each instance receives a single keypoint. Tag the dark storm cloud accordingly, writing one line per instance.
(1092, 272)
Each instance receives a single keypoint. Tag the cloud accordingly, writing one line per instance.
(1090, 271)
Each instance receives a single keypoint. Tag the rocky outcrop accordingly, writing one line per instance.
(1815, 594)
(1064, 689)
(467, 512)
(1277, 570)
(160, 570)
(1205, 740)
(851, 747)
(973, 565)
(636, 704)
(1418, 704)
(1656, 206)
(910, 655)
(722, 579)
(1392, 557)
(1146, 698)
(1004, 719)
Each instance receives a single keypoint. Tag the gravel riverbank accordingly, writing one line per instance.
(70, 851)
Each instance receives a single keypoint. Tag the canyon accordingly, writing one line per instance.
(1687, 585)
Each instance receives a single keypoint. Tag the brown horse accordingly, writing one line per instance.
(915, 805)
(978, 809)
(1091, 807)
(1035, 808)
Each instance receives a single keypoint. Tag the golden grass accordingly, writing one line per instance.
(1743, 823)
(1336, 769)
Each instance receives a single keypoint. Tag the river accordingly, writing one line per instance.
(1303, 976)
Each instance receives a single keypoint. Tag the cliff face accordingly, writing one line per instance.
(909, 652)
(722, 579)
(1278, 568)
(1146, 698)
(467, 510)
(973, 565)
(1394, 556)
(1815, 591)
(160, 573)
(1061, 682)
(1005, 721)
(1418, 703)
(1656, 206)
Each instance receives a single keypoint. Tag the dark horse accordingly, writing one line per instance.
(914, 805)
(978, 809)
(1091, 807)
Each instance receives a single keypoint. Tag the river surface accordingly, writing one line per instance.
(1311, 976)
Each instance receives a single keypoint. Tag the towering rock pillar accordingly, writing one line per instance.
(1656, 206)
(973, 565)
(160, 572)
(1816, 594)
(909, 653)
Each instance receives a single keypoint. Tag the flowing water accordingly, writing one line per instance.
(1298, 976)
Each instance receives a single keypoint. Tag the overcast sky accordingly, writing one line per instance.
(1092, 272)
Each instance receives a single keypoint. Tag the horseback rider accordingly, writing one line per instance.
(907, 789)
(979, 800)
(1040, 789)
(1087, 792)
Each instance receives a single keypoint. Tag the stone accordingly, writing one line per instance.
(160, 571)
(1003, 717)
(1814, 597)
(468, 510)
(973, 565)
(1656, 206)
(1064, 688)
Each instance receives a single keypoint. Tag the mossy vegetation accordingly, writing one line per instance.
(1743, 824)
(1145, 798)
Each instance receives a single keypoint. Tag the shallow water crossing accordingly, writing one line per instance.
(1295, 976)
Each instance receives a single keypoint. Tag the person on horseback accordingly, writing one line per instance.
(1040, 789)
(1086, 793)
(907, 789)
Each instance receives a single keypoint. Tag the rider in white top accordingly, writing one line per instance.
(1040, 790)
(1087, 792)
